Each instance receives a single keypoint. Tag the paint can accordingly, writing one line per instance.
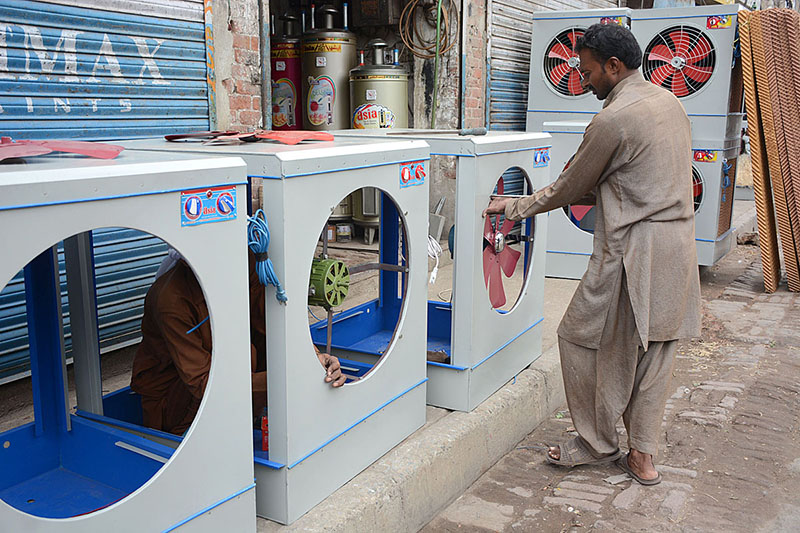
(286, 66)
(379, 92)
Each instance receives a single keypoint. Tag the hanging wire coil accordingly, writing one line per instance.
(411, 35)
(258, 241)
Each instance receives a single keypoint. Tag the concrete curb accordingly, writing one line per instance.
(404, 489)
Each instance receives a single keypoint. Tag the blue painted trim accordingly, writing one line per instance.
(497, 152)
(569, 132)
(116, 197)
(127, 425)
(198, 325)
(316, 172)
(575, 17)
(212, 506)
(265, 177)
(449, 367)
(635, 18)
(518, 335)
(720, 238)
(566, 253)
(557, 111)
(354, 424)
(269, 464)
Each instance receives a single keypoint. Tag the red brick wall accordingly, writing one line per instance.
(238, 60)
(475, 66)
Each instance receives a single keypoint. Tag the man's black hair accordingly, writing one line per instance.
(611, 40)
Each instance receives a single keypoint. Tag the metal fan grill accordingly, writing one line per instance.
(697, 188)
(561, 63)
(680, 59)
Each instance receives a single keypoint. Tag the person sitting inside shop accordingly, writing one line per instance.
(172, 363)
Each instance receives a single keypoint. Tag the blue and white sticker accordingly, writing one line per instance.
(201, 206)
(541, 157)
(412, 173)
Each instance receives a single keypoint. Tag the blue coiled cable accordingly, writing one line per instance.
(258, 241)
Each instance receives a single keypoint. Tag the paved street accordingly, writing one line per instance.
(729, 456)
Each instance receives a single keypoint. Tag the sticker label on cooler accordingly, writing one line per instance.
(201, 206)
(371, 116)
(705, 156)
(412, 173)
(541, 157)
(321, 97)
(284, 100)
(718, 22)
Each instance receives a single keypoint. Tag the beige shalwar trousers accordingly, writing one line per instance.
(618, 379)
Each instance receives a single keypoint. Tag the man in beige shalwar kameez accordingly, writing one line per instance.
(641, 291)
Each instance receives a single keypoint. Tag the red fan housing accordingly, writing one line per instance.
(680, 59)
(561, 63)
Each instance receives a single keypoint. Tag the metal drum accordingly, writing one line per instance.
(287, 76)
(328, 55)
(379, 92)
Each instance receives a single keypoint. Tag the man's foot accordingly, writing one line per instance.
(642, 465)
(574, 453)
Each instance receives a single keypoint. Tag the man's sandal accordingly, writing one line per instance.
(574, 453)
(623, 464)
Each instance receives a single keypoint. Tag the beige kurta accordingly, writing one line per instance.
(636, 158)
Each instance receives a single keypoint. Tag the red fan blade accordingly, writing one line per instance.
(697, 189)
(681, 41)
(579, 211)
(500, 186)
(488, 230)
(679, 87)
(507, 225)
(660, 52)
(574, 84)
(508, 260)
(659, 75)
(497, 295)
(488, 260)
(700, 50)
(560, 51)
(12, 150)
(558, 73)
(98, 150)
(698, 74)
(294, 136)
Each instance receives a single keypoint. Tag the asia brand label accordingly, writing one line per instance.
(705, 156)
(371, 116)
(322, 47)
(321, 97)
(201, 206)
(718, 22)
(291, 52)
(541, 157)
(412, 173)
(284, 100)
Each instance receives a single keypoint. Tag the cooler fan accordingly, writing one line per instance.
(562, 62)
(697, 188)
(498, 256)
(680, 59)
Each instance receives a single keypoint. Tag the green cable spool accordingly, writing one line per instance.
(329, 283)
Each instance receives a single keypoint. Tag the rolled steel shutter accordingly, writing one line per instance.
(69, 70)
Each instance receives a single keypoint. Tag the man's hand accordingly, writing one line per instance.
(333, 370)
(497, 206)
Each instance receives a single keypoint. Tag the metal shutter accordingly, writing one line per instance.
(69, 70)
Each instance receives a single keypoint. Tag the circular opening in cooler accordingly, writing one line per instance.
(698, 184)
(357, 282)
(561, 63)
(507, 247)
(68, 453)
(681, 59)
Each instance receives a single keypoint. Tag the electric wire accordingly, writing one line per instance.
(434, 251)
(258, 241)
(412, 37)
